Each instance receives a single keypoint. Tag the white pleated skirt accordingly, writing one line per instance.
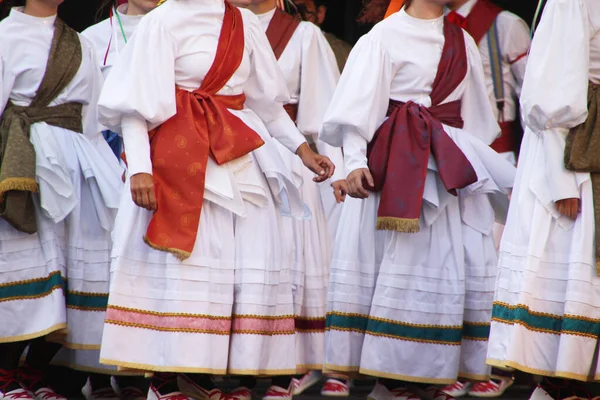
(58, 278)
(546, 316)
(416, 307)
(227, 309)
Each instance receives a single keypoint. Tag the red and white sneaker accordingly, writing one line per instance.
(131, 393)
(279, 393)
(495, 387)
(457, 389)
(241, 393)
(154, 394)
(194, 391)
(106, 393)
(17, 394)
(540, 394)
(335, 388)
(46, 393)
(308, 380)
(434, 393)
(380, 392)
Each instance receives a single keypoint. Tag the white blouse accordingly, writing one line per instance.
(22, 66)
(311, 73)
(398, 59)
(175, 45)
(24, 49)
(514, 41)
(564, 57)
(109, 40)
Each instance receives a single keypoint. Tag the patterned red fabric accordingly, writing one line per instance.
(203, 127)
(280, 31)
(399, 152)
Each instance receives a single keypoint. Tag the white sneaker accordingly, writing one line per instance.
(17, 394)
(434, 393)
(106, 393)
(380, 392)
(493, 388)
(46, 393)
(194, 391)
(540, 394)
(279, 393)
(336, 388)
(458, 389)
(154, 394)
(308, 380)
(241, 393)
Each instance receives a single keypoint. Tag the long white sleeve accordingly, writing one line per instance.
(361, 99)
(477, 111)
(6, 84)
(516, 42)
(265, 90)
(355, 150)
(554, 97)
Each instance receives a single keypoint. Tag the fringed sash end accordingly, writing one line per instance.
(180, 254)
(404, 225)
(18, 184)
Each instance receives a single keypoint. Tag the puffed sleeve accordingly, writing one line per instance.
(554, 96)
(91, 126)
(360, 102)
(318, 79)
(7, 80)
(139, 94)
(265, 90)
(477, 112)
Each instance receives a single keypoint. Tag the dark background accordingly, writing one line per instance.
(341, 16)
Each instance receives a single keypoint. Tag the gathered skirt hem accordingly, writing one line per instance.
(535, 371)
(34, 335)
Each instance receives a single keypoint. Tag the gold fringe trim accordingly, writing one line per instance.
(404, 225)
(179, 254)
(21, 184)
(598, 267)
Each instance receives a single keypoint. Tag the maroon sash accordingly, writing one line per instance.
(481, 18)
(399, 152)
(280, 31)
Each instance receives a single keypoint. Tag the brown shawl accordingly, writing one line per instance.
(582, 154)
(17, 154)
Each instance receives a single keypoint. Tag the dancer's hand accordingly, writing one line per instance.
(570, 208)
(320, 165)
(142, 191)
(359, 181)
(340, 189)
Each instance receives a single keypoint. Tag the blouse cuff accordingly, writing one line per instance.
(137, 144)
(561, 182)
(355, 151)
(285, 132)
(336, 157)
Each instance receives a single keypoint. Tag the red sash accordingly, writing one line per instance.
(509, 140)
(481, 18)
(399, 152)
(280, 31)
(180, 147)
